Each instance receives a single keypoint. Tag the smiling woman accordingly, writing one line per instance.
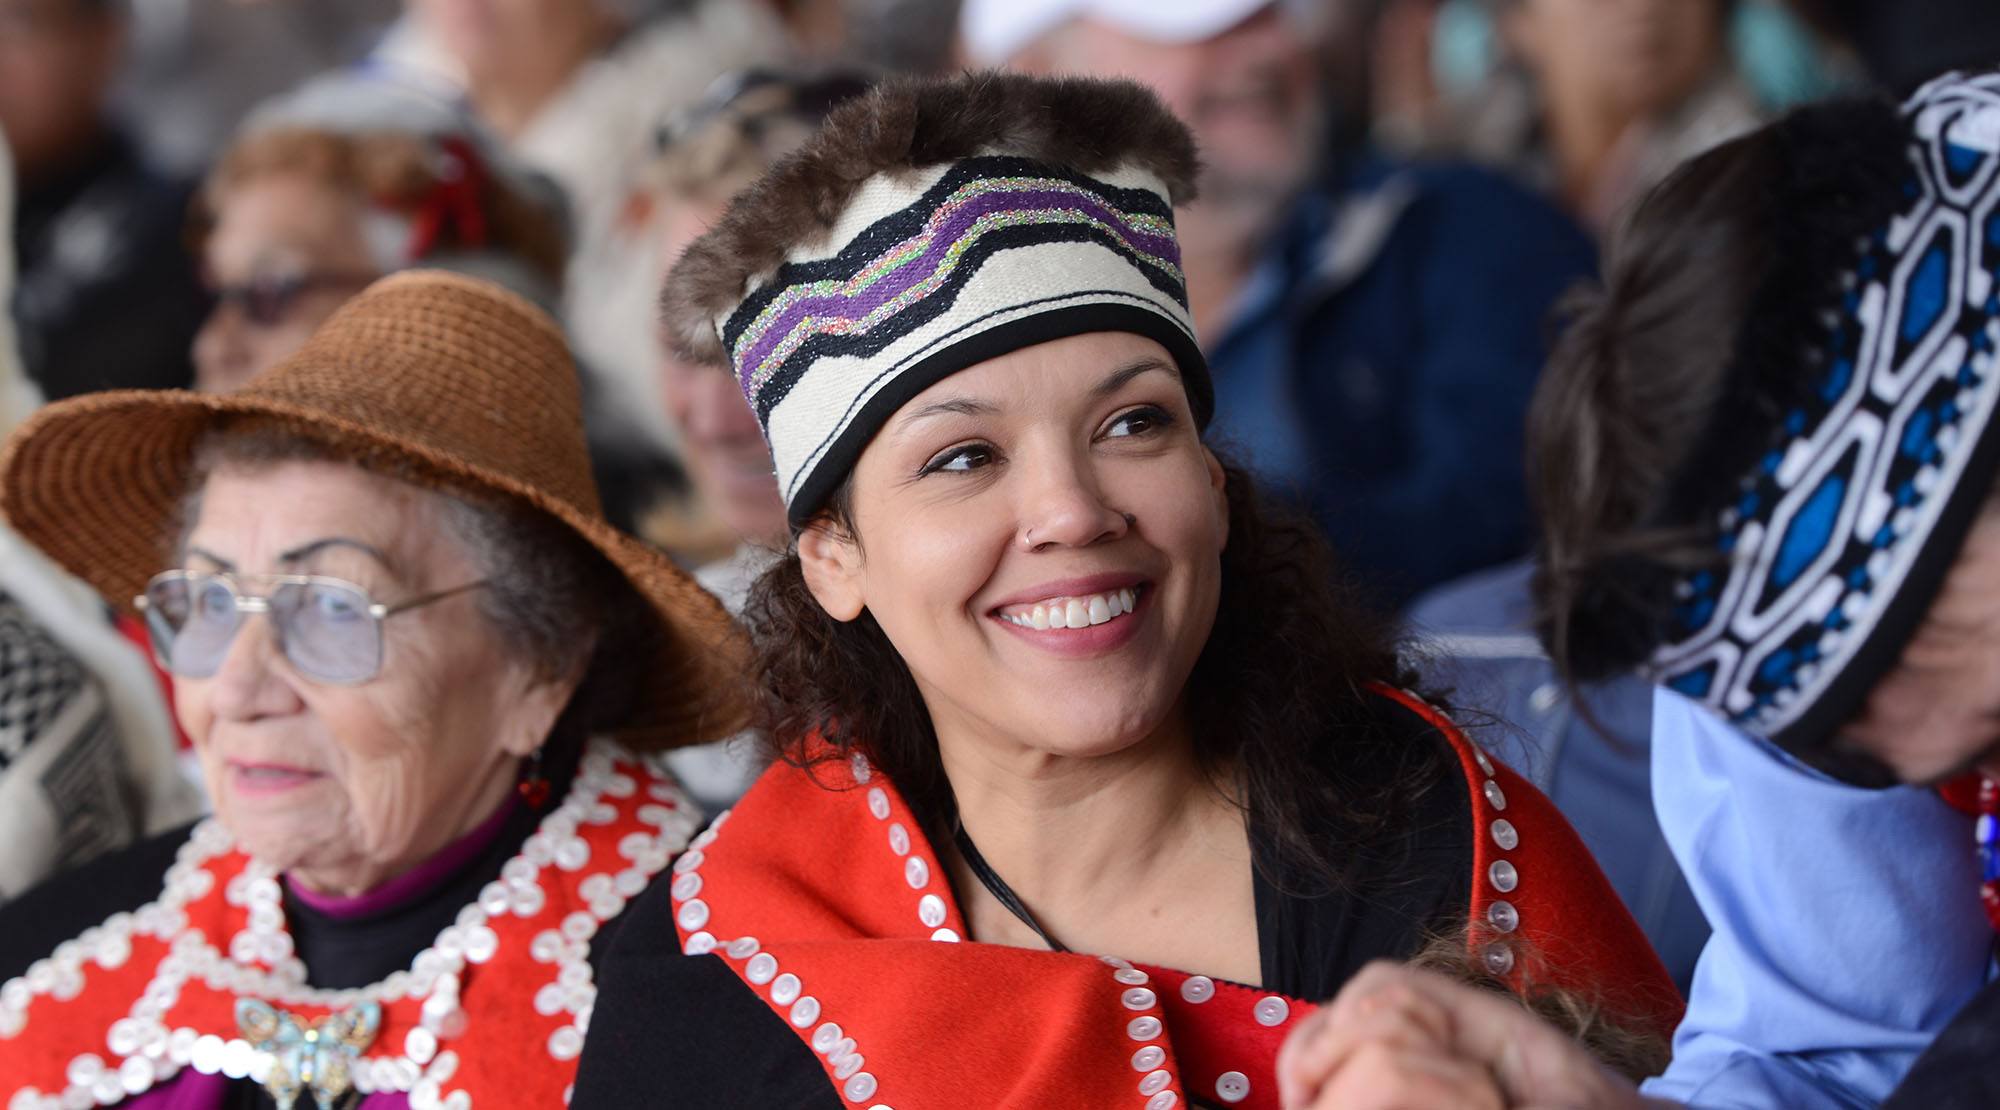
(429, 688)
(1042, 672)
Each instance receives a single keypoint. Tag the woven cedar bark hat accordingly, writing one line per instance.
(448, 380)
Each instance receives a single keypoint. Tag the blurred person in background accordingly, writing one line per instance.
(1375, 327)
(575, 90)
(18, 396)
(708, 154)
(1599, 99)
(346, 180)
(1596, 74)
(86, 750)
(1429, 60)
(97, 229)
(358, 175)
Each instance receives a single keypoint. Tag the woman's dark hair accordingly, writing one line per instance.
(1278, 699)
(1671, 379)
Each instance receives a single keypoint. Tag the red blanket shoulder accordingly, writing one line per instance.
(823, 895)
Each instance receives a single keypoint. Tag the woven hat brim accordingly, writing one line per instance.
(95, 482)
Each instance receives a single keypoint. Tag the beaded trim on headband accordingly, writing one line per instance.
(1843, 532)
(931, 271)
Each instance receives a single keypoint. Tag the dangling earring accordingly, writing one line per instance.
(534, 787)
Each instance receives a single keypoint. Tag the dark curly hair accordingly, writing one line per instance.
(1278, 700)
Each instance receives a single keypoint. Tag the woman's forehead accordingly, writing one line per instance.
(260, 515)
(293, 210)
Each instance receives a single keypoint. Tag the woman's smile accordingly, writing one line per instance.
(1078, 617)
(261, 779)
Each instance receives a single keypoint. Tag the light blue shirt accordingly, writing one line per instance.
(1847, 925)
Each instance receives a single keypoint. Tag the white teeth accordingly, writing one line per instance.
(1076, 612)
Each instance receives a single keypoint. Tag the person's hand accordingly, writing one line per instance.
(1397, 1037)
(1382, 1045)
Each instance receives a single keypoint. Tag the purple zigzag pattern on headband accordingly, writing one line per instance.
(924, 262)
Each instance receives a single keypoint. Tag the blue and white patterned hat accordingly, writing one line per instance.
(1841, 534)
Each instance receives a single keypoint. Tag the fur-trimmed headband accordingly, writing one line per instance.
(929, 226)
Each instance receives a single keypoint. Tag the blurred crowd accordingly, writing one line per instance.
(1396, 199)
(219, 174)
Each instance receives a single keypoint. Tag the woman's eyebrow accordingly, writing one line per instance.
(969, 406)
(308, 550)
(220, 562)
(958, 406)
(1118, 378)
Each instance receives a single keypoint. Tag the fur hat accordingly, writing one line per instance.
(929, 226)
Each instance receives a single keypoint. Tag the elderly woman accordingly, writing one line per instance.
(407, 649)
(1043, 674)
(1768, 453)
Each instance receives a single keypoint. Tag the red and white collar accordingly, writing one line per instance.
(852, 935)
(823, 895)
(493, 1012)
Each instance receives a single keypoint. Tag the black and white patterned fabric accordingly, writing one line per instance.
(1844, 530)
(38, 680)
(67, 789)
(928, 271)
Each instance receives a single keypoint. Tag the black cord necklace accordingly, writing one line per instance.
(997, 886)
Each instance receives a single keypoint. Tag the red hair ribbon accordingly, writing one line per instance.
(453, 202)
